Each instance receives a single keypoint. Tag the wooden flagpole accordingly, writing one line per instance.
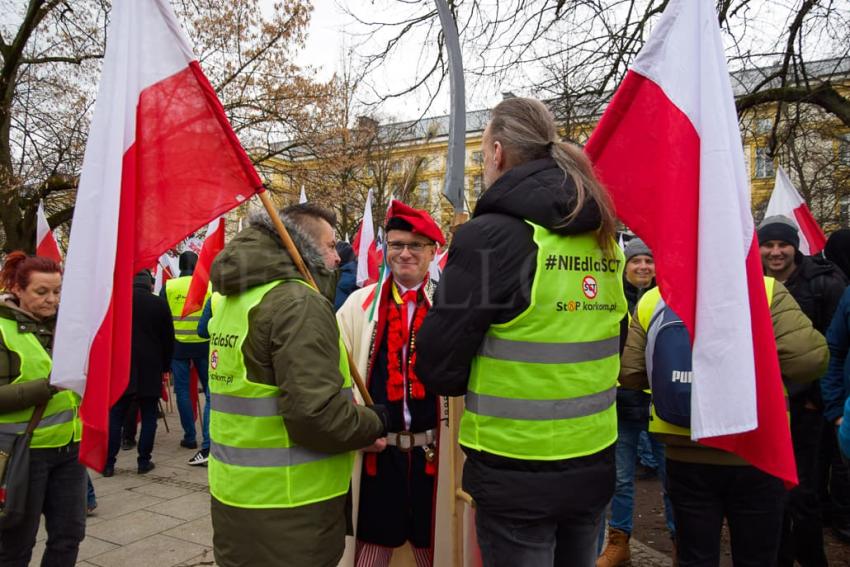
(302, 267)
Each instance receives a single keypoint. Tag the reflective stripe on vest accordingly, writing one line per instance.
(60, 424)
(651, 304)
(185, 328)
(253, 462)
(543, 386)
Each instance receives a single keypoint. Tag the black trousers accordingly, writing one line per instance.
(117, 417)
(541, 518)
(750, 501)
(57, 489)
(802, 526)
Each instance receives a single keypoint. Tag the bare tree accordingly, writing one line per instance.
(578, 51)
(51, 52)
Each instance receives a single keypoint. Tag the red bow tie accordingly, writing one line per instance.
(409, 296)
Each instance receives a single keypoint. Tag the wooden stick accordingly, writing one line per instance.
(302, 267)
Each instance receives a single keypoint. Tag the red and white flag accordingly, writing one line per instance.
(787, 201)
(669, 150)
(161, 161)
(164, 271)
(213, 244)
(364, 244)
(438, 264)
(45, 243)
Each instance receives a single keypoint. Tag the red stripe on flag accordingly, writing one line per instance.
(181, 131)
(810, 229)
(657, 197)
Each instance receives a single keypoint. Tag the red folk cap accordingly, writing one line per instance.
(413, 220)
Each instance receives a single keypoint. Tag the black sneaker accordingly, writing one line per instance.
(108, 470)
(188, 444)
(200, 459)
(128, 444)
(146, 467)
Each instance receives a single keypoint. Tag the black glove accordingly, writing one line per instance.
(384, 414)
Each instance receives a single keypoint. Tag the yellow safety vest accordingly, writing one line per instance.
(185, 328)
(61, 423)
(253, 462)
(543, 385)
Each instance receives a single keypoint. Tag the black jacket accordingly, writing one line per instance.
(817, 285)
(488, 280)
(153, 343)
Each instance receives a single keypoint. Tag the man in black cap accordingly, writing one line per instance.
(817, 285)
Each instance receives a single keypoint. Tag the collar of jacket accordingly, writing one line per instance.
(538, 191)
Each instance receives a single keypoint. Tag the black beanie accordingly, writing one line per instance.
(779, 227)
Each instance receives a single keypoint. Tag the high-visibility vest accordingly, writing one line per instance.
(61, 423)
(649, 304)
(543, 385)
(185, 328)
(253, 462)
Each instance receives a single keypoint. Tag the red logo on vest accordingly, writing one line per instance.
(214, 359)
(589, 287)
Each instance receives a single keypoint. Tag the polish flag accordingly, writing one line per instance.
(438, 264)
(45, 243)
(364, 244)
(303, 197)
(669, 150)
(213, 244)
(161, 162)
(787, 201)
(167, 268)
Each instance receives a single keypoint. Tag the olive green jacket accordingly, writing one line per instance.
(14, 397)
(292, 343)
(803, 357)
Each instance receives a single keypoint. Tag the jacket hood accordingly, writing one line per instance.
(256, 256)
(539, 191)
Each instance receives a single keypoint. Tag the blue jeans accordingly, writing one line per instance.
(57, 489)
(180, 369)
(646, 451)
(623, 503)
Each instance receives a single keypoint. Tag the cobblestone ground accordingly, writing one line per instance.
(162, 519)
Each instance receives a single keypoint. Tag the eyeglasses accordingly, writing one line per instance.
(414, 247)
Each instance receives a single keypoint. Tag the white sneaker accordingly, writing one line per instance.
(200, 459)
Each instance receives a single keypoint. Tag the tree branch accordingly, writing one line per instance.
(824, 95)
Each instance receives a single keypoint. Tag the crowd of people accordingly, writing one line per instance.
(562, 400)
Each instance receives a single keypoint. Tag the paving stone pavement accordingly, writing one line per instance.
(162, 518)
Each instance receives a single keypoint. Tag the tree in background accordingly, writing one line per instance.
(51, 52)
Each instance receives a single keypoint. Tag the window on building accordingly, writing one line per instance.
(844, 150)
(477, 157)
(764, 163)
(477, 186)
(395, 166)
(764, 125)
(424, 190)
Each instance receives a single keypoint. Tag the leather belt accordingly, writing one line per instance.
(407, 440)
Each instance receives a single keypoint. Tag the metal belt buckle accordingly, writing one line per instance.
(406, 446)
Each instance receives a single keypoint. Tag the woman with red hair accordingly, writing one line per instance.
(57, 481)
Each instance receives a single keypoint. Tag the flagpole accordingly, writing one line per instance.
(302, 267)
